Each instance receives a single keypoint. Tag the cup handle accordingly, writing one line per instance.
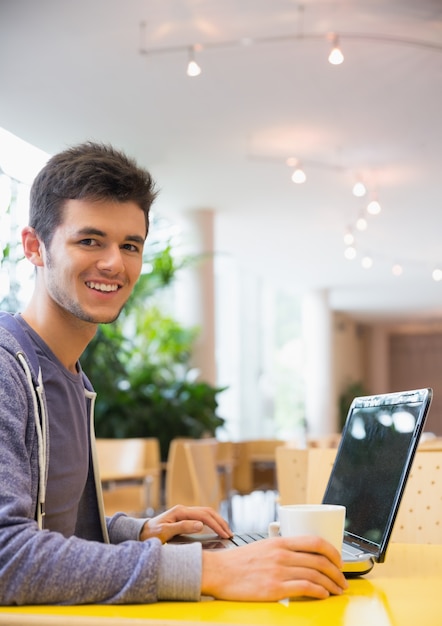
(274, 529)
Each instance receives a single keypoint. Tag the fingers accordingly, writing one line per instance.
(273, 569)
(182, 520)
(318, 556)
(312, 544)
(206, 515)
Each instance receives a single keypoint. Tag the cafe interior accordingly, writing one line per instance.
(296, 149)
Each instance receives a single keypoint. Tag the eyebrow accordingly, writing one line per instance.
(88, 232)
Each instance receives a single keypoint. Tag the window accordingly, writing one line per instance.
(19, 164)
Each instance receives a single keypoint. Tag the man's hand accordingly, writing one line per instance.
(184, 519)
(274, 569)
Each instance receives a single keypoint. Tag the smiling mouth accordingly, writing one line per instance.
(102, 287)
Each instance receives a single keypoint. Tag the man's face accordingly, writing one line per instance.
(94, 259)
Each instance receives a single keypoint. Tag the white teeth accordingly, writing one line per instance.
(102, 287)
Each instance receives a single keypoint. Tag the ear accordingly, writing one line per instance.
(32, 246)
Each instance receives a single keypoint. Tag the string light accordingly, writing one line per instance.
(350, 253)
(361, 223)
(335, 57)
(299, 176)
(193, 69)
(373, 207)
(437, 275)
(349, 238)
(359, 189)
(397, 269)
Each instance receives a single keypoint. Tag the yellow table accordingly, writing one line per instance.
(405, 590)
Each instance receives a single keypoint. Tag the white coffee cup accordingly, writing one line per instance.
(322, 520)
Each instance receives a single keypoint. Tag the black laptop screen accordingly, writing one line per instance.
(372, 464)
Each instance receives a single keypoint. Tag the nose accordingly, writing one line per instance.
(111, 260)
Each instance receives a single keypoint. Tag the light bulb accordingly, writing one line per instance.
(299, 176)
(373, 207)
(350, 253)
(397, 269)
(367, 262)
(359, 189)
(336, 57)
(437, 275)
(193, 69)
(349, 238)
(361, 224)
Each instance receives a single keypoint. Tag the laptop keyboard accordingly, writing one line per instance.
(351, 551)
(245, 538)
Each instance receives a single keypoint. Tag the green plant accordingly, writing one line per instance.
(139, 366)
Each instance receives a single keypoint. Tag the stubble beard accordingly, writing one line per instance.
(67, 304)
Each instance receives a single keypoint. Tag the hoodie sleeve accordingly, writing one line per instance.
(44, 567)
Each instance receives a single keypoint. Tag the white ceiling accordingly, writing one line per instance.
(71, 71)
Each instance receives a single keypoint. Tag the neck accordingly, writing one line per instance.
(65, 335)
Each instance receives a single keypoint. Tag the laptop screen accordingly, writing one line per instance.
(373, 462)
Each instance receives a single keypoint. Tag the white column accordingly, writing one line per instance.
(320, 404)
(195, 293)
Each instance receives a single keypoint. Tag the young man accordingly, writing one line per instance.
(89, 218)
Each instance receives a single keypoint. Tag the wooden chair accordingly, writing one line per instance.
(419, 519)
(291, 475)
(320, 463)
(262, 456)
(242, 479)
(254, 465)
(201, 457)
(178, 487)
(130, 473)
(302, 474)
(225, 459)
(192, 478)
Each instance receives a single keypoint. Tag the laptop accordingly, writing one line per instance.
(369, 475)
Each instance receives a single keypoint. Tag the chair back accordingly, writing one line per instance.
(192, 478)
(120, 457)
(242, 479)
(419, 519)
(178, 487)
(302, 474)
(254, 465)
(130, 471)
(320, 463)
(291, 475)
(202, 461)
(225, 459)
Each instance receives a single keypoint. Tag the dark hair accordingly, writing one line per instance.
(88, 171)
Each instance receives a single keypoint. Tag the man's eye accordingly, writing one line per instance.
(88, 242)
(131, 247)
